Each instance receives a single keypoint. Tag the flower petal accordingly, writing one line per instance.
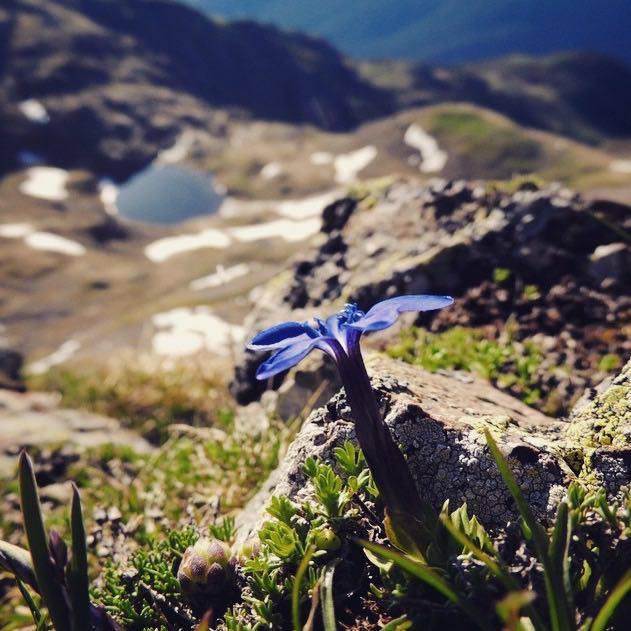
(291, 355)
(280, 335)
(385, 313)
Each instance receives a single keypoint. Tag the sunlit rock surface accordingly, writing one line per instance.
(439, 420)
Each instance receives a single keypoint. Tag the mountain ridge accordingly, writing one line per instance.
(448, 31)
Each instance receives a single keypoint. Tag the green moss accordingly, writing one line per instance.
(509, 364)
(600, 422)
(488, 148)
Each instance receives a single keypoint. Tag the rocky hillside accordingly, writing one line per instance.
(540, 268)
(112, 83)
(120, 79)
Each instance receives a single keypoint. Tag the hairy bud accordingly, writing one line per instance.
(326, 539)
(205, 568)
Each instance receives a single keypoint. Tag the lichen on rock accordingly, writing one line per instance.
(602, 427)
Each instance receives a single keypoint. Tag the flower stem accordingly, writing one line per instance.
(385, 460)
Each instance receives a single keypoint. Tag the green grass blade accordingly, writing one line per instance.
(427, 575)
(559, 557)
(326, 595)
(28, 599)
(494, 567)
(49, 588)
(615, 598)
(295, 592)
(78, 575)
(398, 624)
(554, 589)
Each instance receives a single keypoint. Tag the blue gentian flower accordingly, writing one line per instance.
(338, 336)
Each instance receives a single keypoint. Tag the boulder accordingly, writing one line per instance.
(438, 420)
(553, 248)
(602, 429)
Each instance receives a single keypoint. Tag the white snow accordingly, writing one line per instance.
(54, 243)
(45, 183)
(163, 249)
(185, 331)
(39, 240)
(306, 207)
(179, 150)
(62, 354)
(620, 166)
(34, 111)
(433, 157)
(283, 228)
(320, 158)
(271, 170)
(15, 230)
(108, 193)
(348, 165)
(221, 276)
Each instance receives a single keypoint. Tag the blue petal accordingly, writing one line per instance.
(384, 314)
(280, 336)
(291, 355)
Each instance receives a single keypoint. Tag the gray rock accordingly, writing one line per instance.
(448, 238)
(438, 420)
(611, 263)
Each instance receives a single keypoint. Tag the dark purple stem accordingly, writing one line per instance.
(385, 460)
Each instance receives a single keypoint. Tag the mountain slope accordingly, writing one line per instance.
(132, 73)
(447, 31)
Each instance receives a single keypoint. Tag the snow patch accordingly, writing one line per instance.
(307, 207)
(179, 150)
(108, 193)
(39, 240)
(620, 166)
(62, 354)
(271, 170)
(433, 159)
(15, 230)
(186, 331)
(320, 158)
(54, 243)
(348, 165)
(222, 276)
(163, 249)
(45, 183)
(35, 111)
(283, 228)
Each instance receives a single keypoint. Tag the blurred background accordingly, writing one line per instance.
(148, 149)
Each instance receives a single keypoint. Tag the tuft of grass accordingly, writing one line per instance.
(147, 396)
(507, 363)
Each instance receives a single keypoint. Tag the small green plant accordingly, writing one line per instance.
(61, 581)
(508, 363)
(300, 548)
(144, 394)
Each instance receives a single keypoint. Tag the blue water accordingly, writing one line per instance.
(167, 195)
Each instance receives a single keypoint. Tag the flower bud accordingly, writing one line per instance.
(249, 550)
(326, 539)
(205, 568)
